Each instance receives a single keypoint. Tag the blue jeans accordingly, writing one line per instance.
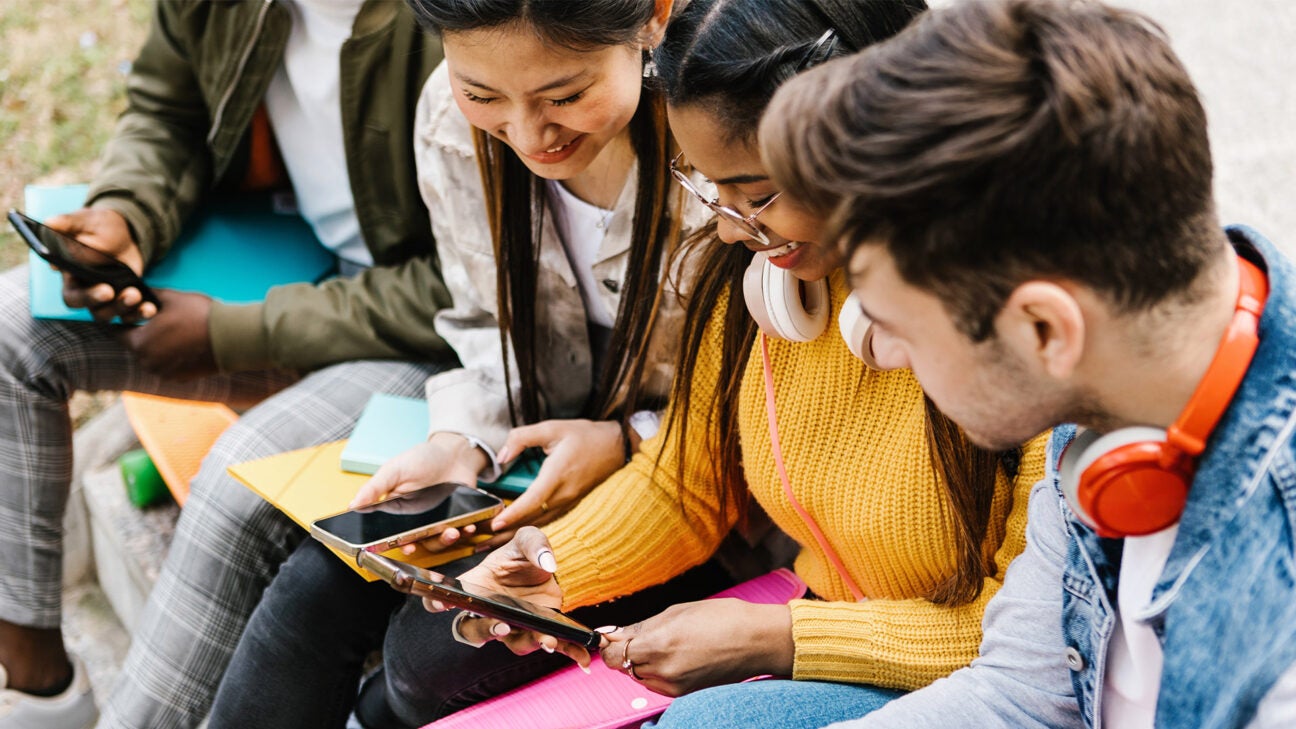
(773, 704)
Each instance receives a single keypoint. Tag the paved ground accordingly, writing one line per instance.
(1240, 55)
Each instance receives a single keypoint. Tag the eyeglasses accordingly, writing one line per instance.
(745, 223)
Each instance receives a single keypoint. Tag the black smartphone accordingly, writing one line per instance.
(517, 612)
(78, 259)
(406, 518)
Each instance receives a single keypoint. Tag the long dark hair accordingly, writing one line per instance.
(729, 56)
(515, 201)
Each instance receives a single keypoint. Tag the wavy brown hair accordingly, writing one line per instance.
(997, 142)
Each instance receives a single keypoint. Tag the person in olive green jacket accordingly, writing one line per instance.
(223, 97)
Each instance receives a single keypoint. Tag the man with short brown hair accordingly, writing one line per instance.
(1024, 190)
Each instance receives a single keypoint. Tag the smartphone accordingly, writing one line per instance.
(78, 259)
(406, 518)
(518, 474)
(517, 612)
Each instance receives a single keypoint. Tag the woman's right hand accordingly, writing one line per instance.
(441, 458)
(523, 568)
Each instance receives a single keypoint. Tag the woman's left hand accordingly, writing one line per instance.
(580, 454)
(706, 643)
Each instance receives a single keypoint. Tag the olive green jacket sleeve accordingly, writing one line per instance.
(384, 312)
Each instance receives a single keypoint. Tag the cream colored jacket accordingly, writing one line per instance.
(474, 400)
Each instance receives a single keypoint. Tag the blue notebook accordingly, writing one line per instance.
(391, 424)
(233, 250)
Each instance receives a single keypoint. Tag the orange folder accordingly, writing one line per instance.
(177, 434)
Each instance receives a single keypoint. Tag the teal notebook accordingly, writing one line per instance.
(233, 250)
(391, 424)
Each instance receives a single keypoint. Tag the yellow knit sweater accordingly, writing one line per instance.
(856, 455)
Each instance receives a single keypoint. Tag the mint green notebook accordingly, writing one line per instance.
(391, 424)
(233, 250)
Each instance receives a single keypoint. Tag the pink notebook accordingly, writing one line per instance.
(605, 699)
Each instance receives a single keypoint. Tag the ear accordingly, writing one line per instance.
(1042, 322)
(656, 28)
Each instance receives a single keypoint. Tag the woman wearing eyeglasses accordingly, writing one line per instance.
(906, 529)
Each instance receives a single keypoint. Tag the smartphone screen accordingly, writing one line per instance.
(514, 611)
(76, 258)
(407, 513)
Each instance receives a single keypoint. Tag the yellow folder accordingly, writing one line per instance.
(308, 484)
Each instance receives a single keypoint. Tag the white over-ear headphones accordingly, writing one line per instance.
(789, 308)
(857, 331)
(776, 301)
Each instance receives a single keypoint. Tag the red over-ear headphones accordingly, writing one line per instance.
(1135, 481)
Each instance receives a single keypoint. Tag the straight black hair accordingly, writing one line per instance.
(515, 201)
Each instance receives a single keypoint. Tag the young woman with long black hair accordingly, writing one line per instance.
(544, 163)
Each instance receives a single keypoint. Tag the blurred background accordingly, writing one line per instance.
(63, 66)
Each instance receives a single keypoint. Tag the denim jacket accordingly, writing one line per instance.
(1224, 607)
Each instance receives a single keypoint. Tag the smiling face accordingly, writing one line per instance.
(557, 108)
(742, 184)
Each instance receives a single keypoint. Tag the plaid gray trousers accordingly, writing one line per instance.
(228, 544)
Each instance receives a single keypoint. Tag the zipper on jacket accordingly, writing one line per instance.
(238, 73)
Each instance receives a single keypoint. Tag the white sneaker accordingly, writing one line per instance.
(72, 709)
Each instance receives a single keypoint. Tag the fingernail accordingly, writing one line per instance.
(547, 561)
(504, 455)
(498, 524)
(607, 629)
(545, 647)
(585, 669)
(500, 630)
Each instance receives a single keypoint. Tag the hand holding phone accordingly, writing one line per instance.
(513, 611)
(577, 456)
(522, 568)
(86, 267)
(406, 518)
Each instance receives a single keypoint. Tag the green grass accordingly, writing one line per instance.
(62, 85)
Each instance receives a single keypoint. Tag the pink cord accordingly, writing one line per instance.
(819, 537)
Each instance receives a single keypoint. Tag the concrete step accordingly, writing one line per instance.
(129, 543)
(114, 549)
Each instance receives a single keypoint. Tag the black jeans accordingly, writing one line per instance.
(301, 657)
